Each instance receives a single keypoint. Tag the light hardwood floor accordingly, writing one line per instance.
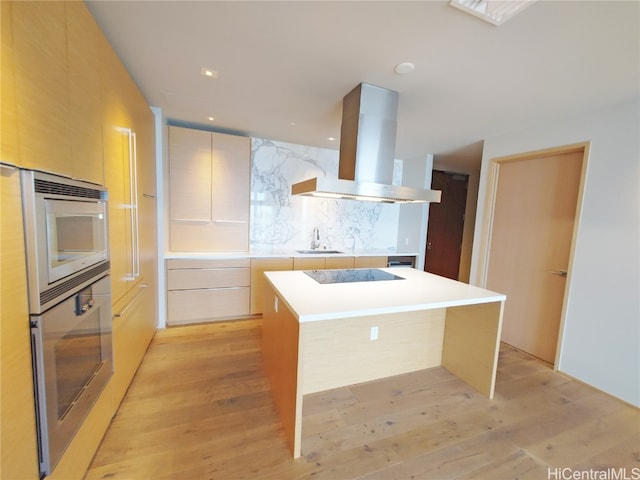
(199, 408)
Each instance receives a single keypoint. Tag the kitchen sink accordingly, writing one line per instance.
(318, 251)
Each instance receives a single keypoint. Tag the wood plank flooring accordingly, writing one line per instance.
(200, 408)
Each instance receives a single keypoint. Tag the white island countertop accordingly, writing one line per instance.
(311, 301)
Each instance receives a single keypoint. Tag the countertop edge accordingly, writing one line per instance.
(492, 297)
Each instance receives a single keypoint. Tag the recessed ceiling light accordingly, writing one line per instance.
(211, 119)
(493, 11)
(331, 139)
(292, 124)
(208, 72)
(404, 67)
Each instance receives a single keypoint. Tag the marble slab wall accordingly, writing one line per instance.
(280, 221)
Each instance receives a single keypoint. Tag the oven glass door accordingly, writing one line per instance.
(73, 362)
(76, 236)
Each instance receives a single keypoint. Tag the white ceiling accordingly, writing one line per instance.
(284, 62)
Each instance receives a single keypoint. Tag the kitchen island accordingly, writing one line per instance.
(367, 324)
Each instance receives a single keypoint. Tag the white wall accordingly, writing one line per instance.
(162, 180)
(601, 337)
(413, 219)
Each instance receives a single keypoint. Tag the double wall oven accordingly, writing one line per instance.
(69, 288)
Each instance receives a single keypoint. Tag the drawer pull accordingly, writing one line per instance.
(123, 312)
(560, 273)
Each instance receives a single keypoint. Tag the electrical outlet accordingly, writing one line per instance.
(374, 333)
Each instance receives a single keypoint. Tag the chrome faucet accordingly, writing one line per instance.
(315, 241)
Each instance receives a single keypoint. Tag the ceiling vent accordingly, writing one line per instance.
(493, 11)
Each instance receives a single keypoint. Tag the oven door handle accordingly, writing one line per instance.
(82, 308)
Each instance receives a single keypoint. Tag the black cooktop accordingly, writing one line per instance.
(351, 275)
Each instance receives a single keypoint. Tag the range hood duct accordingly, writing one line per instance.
(367, 148)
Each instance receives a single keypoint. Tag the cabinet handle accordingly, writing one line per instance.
(560, 273)
(191, 220)
(123, 312)
(133, 197)
(229, 221)
(148, 195)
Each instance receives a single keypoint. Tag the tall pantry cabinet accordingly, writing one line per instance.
(70, 108)
(129, 153)
(209, 200)
(18, 444)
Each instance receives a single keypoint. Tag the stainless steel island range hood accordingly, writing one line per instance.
(367, 148)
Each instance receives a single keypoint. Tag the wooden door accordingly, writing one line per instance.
(534, 216)
(116, 120)
(446, 224)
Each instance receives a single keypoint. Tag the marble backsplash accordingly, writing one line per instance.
(280, 221)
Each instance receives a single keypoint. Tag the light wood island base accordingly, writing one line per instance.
(305, 357)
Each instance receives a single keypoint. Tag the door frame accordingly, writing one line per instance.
(490, 204)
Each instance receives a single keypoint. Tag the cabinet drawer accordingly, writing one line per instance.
(338, 262)
(309, 263)
(193, 306)
(208, 278)
(370, 262)
(181, 263)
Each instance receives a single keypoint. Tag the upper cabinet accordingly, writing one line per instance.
(53, 87)
(8, 123)
(85, 110)
(209, 191)
(42, 94)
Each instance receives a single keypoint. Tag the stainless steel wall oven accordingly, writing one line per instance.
(66, 235)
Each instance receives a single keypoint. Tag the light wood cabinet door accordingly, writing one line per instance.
(19, 454)
(209, 191)
(338, 262)
(133, 329)
(231, 167)
(190, 175)
(42, 95)
(129, 152)
(205, 305)
(144, 127)
(116, 118)
(370, 262)
(8, 123)
(191, 263)
(309, 263)
(258, 267)
(191, 279)
(85, 110)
